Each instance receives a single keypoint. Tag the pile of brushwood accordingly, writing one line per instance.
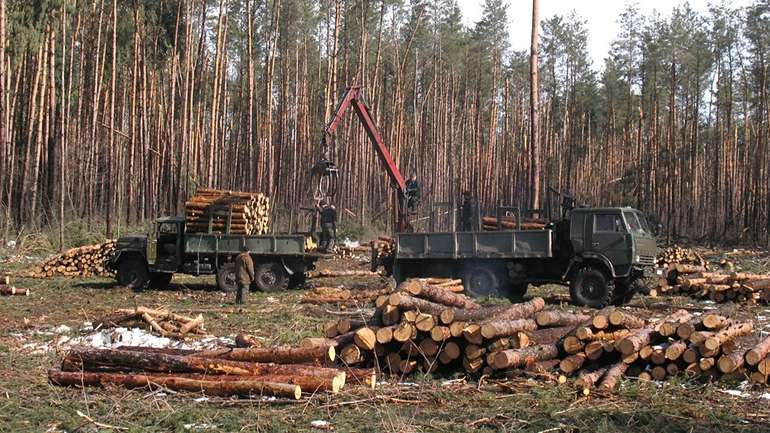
(160, 320)
(431, 329)
(689, 274)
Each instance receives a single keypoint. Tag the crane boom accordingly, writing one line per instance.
(354, 97)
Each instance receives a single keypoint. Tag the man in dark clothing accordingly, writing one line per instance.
(328, 227)
(244, 274)
(466, 212)
(412, 194)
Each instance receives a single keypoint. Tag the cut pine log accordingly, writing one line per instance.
(520, 357)
(162, 363)
(622, 319)
(449, 315)
(572, 363)
(559, 318)
(408, 302)
(437, 294)
(758, 352)
(243, 387)
(13, 291)
(505, 328)
(279, 355)
(519, 311)
(549, 335)
(732, 331)
(613, 375)
(587, 379)
(365, 338)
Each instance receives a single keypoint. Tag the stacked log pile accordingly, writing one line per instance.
(86, 261)
(510, 223)
(424, 327)
(677, 255)
(250, 372)
(383, 249)
(722, 287)
(687, 273)
(160, 320)
(247, 213)
(6, 289)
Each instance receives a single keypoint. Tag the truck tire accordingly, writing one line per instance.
(298, 279)
(271, 277)
(481, 280)
(159, 280)
(227, 281)
(517, 291)
(589, 288)
(133, 273)
(624, 291)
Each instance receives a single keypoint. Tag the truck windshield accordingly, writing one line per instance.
(643, 222)
(634, 225)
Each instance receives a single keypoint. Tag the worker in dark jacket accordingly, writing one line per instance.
(328, 226)
(244, 274)
(412, 193)
(466, 212)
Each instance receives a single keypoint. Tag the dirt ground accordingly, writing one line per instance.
(30, 327)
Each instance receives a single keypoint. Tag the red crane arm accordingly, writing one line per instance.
(354, 96)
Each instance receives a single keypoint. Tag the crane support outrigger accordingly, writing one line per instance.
(354, 98)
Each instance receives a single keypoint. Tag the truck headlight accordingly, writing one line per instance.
(637, 259)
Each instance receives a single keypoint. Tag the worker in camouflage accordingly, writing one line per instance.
(244, 273)
(328, 227)
(466, 212)
(412, 194)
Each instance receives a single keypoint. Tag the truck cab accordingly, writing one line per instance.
(616, 242)
(150, 259)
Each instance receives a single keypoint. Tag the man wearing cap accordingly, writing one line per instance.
(244, 273)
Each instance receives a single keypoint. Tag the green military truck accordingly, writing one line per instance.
(598, 252)
(141, 261)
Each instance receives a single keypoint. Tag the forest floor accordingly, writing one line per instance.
(28, 403)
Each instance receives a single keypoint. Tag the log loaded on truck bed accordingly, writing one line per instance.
(140, 261)
(599, 252)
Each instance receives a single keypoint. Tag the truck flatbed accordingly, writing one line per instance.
(513, 244)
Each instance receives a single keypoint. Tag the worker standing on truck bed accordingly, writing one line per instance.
(412, 193)
(328, 227)
(466, 212)
(244, 272)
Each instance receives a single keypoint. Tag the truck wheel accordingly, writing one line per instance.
(297, 280)
(227, 281)
(133, 273)
(624, 291)
(483, 280)
(271, 277)
(517, 292)
(589, 287)
(159, 280)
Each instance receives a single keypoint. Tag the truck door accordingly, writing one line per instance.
(168, 248)
(608, 236)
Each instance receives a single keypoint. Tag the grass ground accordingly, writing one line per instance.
(28, 403)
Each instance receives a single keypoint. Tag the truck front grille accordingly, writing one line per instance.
(647, 260)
